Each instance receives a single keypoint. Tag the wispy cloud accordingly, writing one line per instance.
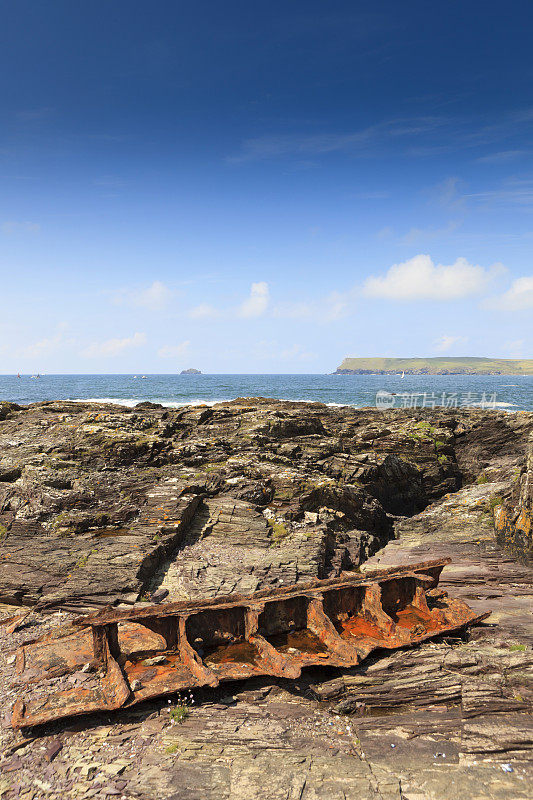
(154, 298)
(174, 350)
(305, 145)
(34, 114)
(502, 157)
(448, 194)
(110, 182)
(272, 351)
(374, 195)
(333, 306)
(515, 349)
(203, 311)
(518, 297)
(295, 353)
(114, 347)
(420, 279)
(446, 342)
(10, 226)
(417, 235)
(513, 192)
(417, 136)
(257, 303)
(46, 346)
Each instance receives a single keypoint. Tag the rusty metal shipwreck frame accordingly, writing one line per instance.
(115, 658)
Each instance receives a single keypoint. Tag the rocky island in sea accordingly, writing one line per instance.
(190, 371)
(104, 505)
(446, 365)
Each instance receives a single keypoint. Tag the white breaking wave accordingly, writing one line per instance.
(489, 405)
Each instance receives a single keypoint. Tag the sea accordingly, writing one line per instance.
(510, 393)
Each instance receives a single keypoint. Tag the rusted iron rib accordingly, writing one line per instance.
(134, 655)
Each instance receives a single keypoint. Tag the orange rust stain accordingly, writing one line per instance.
(136, 669)
(359, 627)
(229, 660)
(410, 617)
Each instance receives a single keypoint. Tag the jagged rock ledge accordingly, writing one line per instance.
(102, 504)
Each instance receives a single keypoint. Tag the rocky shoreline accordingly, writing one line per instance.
(109, 505)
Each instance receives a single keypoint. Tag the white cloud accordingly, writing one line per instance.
(41, 348)
(512, 191)
(420, 279)
(328, 309)
(154, 297)
(174, 350)
(114, 347)
(257, 303)
(334, 306)
(516, 349)
(502, 156)
(418, 234)
(445, 343)
(518, 297)
(447, 193)
(360, 141)
(9, 227)
(203, 311)
(299, 310)
(295, 353)
(272, 350)
(46, 346)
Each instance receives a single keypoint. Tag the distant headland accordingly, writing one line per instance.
(190, 371)
(435, 366)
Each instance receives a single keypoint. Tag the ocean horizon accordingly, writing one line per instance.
(505, 392)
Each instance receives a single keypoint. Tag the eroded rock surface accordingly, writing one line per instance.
(105, 504)
(514, 517)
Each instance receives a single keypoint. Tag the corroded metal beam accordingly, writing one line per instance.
(118, 658)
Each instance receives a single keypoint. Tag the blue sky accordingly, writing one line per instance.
(247, 187)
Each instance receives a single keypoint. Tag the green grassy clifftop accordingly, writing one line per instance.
(445, 365)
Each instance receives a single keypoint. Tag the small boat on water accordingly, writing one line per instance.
(117, 658)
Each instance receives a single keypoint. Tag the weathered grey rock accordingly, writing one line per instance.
(114, 505)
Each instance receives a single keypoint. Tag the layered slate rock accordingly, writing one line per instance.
(103, 504)
(445, 720)
(514, 517)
